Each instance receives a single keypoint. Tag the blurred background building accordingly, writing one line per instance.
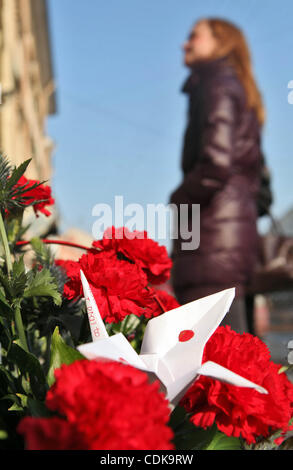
(28, 99)
(27, 85)
(27, 92)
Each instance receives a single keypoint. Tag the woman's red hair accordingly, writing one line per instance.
(233, 45)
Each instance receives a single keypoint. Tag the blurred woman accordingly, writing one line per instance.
(221, 162)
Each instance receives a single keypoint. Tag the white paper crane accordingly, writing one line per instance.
(172, 346)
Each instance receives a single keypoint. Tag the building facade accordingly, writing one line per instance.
(27, 85)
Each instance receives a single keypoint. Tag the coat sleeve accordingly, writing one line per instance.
(216, 153)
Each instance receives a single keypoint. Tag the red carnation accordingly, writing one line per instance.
(72, 287)
(118, 286)
(241, 411)
(137, 247)
(159, 302)
(104, 405)
(168, 301)
(40, 193)
(118, 269)
(52, 433)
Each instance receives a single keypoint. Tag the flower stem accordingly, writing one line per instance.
(20, 329)
(59, 242)
(5, 245)
(17, 313)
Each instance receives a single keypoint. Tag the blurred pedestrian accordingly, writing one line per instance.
(221, 161)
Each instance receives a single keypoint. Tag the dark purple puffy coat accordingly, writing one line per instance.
(221, 171)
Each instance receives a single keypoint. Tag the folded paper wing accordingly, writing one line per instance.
(211, 369)
(198, 319)
(177, 389)
(117, 348)
(114, 347)
(172, 346)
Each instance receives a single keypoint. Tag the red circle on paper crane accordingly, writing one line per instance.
(185, 335)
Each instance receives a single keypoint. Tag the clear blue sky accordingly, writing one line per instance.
(121, 116)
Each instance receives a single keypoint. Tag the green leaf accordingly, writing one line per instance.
(222, 442)
(8, 383)
(3, 434)
(5, 170)
(15, 285)
(45, 258)
(72, 323)
(19, 401)
(29, 364)
(15, 407)
(5, 374)
(43, 252)
(17, 173)
(129, 324)
(18, 267)
(37, 408)
(190, 437)
(12, 397)
(61, 353)
(178, 416)
(42, 284)
(186, 435)
(3, 299)
(13, 195)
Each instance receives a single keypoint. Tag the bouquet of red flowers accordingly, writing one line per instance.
(52, 397)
